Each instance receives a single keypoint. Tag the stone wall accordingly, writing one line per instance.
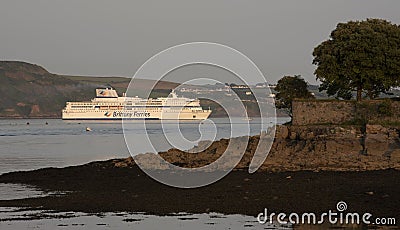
(312, 112)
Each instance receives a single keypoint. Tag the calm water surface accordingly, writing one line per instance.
(59, 143)
(15, 219)
(62, 143)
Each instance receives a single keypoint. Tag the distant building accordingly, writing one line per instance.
(261, 85)
(240, 87)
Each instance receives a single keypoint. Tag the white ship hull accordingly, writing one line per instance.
(135, 115)
(109, 106)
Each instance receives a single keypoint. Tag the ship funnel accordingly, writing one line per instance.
(106, 93)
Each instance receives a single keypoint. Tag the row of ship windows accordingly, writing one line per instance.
(131, 108)
(133, 102)
(167, 111)
(87, 107)
(153, 110)
(136, 104)
(112, 107)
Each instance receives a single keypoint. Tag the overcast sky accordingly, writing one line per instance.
(113, 38)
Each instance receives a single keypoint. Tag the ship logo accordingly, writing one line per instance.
(107, 114)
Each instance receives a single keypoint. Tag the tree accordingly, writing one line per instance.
(290, 88)
(361, 56)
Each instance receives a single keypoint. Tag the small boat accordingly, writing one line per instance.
(88, 129)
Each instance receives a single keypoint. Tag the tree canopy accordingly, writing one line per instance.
(290, 88)
(361, 56)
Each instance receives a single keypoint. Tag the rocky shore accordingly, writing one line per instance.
(309, 168)
(102, 187)
(298, 148)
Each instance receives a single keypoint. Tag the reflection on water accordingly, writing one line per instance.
(19, 191)
(14, 218)
(17, 219)
(9, 191)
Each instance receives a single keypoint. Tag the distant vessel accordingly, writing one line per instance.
(109, 106)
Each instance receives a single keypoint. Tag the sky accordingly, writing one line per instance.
(114, 38)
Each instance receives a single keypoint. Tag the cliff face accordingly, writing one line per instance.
(334, 148)
(297, 148)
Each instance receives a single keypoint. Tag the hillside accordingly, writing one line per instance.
(30, 91)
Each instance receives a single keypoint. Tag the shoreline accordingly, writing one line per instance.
(102, 187)
(309, 169)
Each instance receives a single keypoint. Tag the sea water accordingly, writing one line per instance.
(57, 143)
(38, 143)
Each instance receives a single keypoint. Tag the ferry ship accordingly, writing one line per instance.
(107, 105)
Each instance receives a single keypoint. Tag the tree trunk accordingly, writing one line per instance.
(370, 94)
(359, 92)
